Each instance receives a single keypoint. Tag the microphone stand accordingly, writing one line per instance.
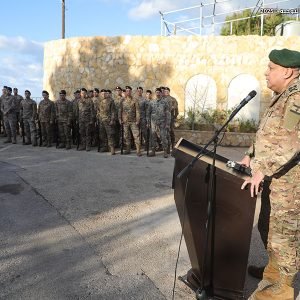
(204, 292)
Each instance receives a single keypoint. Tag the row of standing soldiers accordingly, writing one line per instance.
(92, 118)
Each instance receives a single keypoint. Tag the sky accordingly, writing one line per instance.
(25, 25)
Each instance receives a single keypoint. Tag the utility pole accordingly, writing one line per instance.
(63, 19)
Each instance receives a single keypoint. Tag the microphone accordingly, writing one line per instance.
(251, 95)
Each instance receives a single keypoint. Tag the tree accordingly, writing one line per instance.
(252, 25)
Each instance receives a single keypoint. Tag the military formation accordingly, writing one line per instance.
(124, 119)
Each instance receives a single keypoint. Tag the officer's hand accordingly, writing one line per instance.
(137, 123)
(245, 161)
(254, 182)
(51, 122)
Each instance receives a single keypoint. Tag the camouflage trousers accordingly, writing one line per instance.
(158, 130)
(172, 131)
(85, 132)
(64, 132)
(131, 127)
(118, 133)
(47, 131)
(106, 134)
(95, 134)
(143, 126)
(10, 123)
(284, 231)
(30, 130)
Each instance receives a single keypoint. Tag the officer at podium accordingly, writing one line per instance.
(275, 154)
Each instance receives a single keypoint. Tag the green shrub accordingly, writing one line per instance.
(211, 119)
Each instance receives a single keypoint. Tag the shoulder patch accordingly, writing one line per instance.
(292, 117)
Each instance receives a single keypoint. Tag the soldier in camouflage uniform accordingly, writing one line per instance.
(46, 115)
(19, 98)
(63, 113)
(143, 114)
(129, 117)
(106, 115)
(95, 127)
(74, 127)
(117, 100)
(275, 154)
(1, 115)
(28, 115)
(8, 108)
(85, 115)
(158, 119)
(173, 104)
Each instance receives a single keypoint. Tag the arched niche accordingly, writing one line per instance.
(200, 93)
(239, 87)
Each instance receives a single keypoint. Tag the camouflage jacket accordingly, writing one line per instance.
(8, 105)
(46, 111)
(173, 106)
(129, 110)
(106, 110)
(19, 98)
(117, 101)
(85, 110)
(143, 107)
(63, 111)
(28, 109)
(158, 112)
(277, 140)
(74, 103)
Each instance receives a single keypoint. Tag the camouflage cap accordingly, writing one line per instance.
(63, 92)
(285, 58)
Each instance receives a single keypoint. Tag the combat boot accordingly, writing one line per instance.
(271, 271)
(34, 144)
(68, 146)
(127, 151)
(45, 144)
(81, 147)
(88, 147)
(138, 150)
(277, 291)
(168, 149)
(14, 140)
(49, 144)
(152, 152)
(61, 146)
(166, 155)
(112, 150)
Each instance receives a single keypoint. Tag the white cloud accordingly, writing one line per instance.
(149, 8)
(21, 64)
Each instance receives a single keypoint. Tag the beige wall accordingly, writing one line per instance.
(152, 61)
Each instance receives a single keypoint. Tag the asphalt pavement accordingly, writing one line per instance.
(88, 225)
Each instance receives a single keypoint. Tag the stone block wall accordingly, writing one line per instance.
(152, 61)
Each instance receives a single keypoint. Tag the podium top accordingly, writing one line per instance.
(221, 161)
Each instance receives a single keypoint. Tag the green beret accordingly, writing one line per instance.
(285, 58)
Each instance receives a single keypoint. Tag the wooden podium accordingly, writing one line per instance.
(224, 270)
